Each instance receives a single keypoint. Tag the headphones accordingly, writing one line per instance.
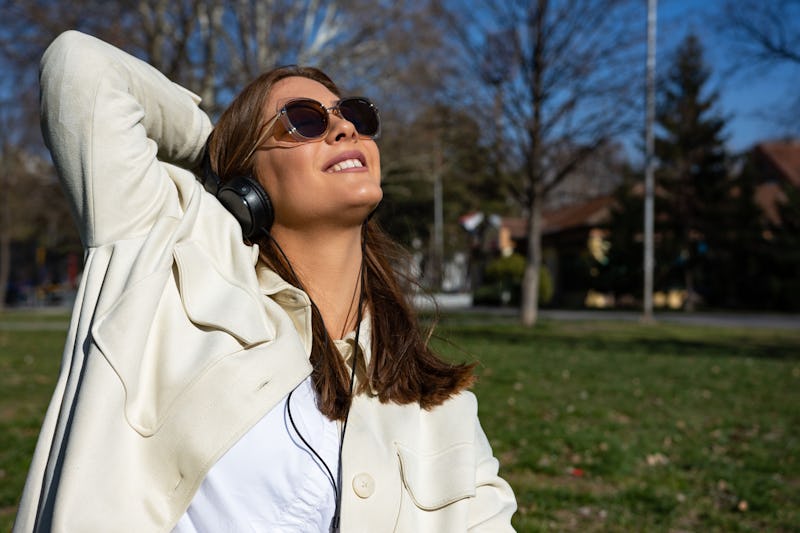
(242, 196)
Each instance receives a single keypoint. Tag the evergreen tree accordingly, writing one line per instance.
(784, 281)
(763, 273)
(747, 277)
(694, 192)
(452, 142)
(626, 226)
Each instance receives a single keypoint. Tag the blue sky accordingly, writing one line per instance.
(745, 98)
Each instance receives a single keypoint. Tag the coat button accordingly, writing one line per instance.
(363, 485)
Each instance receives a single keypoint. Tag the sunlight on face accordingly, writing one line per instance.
(335, 180)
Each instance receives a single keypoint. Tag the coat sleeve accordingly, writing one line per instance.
(108, 120)
(494, 502)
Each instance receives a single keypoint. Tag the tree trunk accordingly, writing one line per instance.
(688, 278)
(5, 263)
(5, 225)
(530, 283)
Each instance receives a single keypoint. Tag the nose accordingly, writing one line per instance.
(340, 129)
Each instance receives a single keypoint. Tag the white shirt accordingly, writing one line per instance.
(269, 481)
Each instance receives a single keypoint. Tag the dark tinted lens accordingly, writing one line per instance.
(307, 118)
(362, 114)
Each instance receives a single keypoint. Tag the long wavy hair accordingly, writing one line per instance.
(403, 368)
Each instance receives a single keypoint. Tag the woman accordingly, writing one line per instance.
(211, 382)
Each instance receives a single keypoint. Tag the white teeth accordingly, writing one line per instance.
(348, 163)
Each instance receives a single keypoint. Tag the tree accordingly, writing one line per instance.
(213, 47)
(763, 36)
(765, 242)
(216, 46)
(446, 141)
(626, 237)
(692, 172)
(762, 32)
(568, 88)
(785, 254)
(33, 211)
(32, 208)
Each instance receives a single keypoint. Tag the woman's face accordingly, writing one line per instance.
(307, 185)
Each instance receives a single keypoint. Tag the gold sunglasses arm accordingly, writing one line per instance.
(264, 135)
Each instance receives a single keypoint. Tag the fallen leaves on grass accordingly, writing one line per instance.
(657, 459)
(742, 505)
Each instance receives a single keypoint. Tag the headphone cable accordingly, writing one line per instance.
(338, 509)
(337, 484)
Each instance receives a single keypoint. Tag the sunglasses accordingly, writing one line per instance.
(306, 119)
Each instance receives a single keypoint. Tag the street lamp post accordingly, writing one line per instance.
(649, 178)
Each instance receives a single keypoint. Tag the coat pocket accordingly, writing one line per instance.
(172, 327)
(434, 480)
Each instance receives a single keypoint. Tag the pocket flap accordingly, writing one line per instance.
(171, 327)
(210, 299)
(437, 479)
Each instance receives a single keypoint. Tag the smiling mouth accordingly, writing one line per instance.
(345, 165)
(351, 160)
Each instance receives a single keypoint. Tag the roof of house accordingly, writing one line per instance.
(767, 197)
(779, 161)
(589, 213)
(784, 156)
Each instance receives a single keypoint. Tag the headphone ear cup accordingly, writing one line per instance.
(249, 203)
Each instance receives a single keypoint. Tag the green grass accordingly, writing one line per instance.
(606, 426)
(622, 427)
(29, 362)
(34, 315)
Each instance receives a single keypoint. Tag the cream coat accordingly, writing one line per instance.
(179, 342)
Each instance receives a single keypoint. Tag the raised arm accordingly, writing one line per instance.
(109, 121)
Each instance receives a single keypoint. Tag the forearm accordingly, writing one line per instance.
(108, 118)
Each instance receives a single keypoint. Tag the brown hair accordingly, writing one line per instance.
(403, 368)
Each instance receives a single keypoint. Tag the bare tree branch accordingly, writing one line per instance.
(764, 32)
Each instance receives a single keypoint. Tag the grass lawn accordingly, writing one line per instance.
(29, 362)
(599, 426)
(611, 426)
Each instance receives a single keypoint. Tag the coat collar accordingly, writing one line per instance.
(290, 298)
(272, 284)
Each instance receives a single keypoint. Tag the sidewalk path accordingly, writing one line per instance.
(722, 319)
(30, 325)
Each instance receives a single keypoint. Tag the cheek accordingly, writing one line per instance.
(376, 160)
(265, 175)
(280, 170)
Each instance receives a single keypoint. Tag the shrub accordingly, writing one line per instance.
(503, 282)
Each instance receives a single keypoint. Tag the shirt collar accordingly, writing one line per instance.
(345, 347)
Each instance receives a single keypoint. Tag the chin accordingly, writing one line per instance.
(357, 215)
(375, 193)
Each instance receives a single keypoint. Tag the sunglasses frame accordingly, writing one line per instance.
(325, 111)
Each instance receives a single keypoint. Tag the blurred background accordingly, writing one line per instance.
(514, 160)
(513, 137)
